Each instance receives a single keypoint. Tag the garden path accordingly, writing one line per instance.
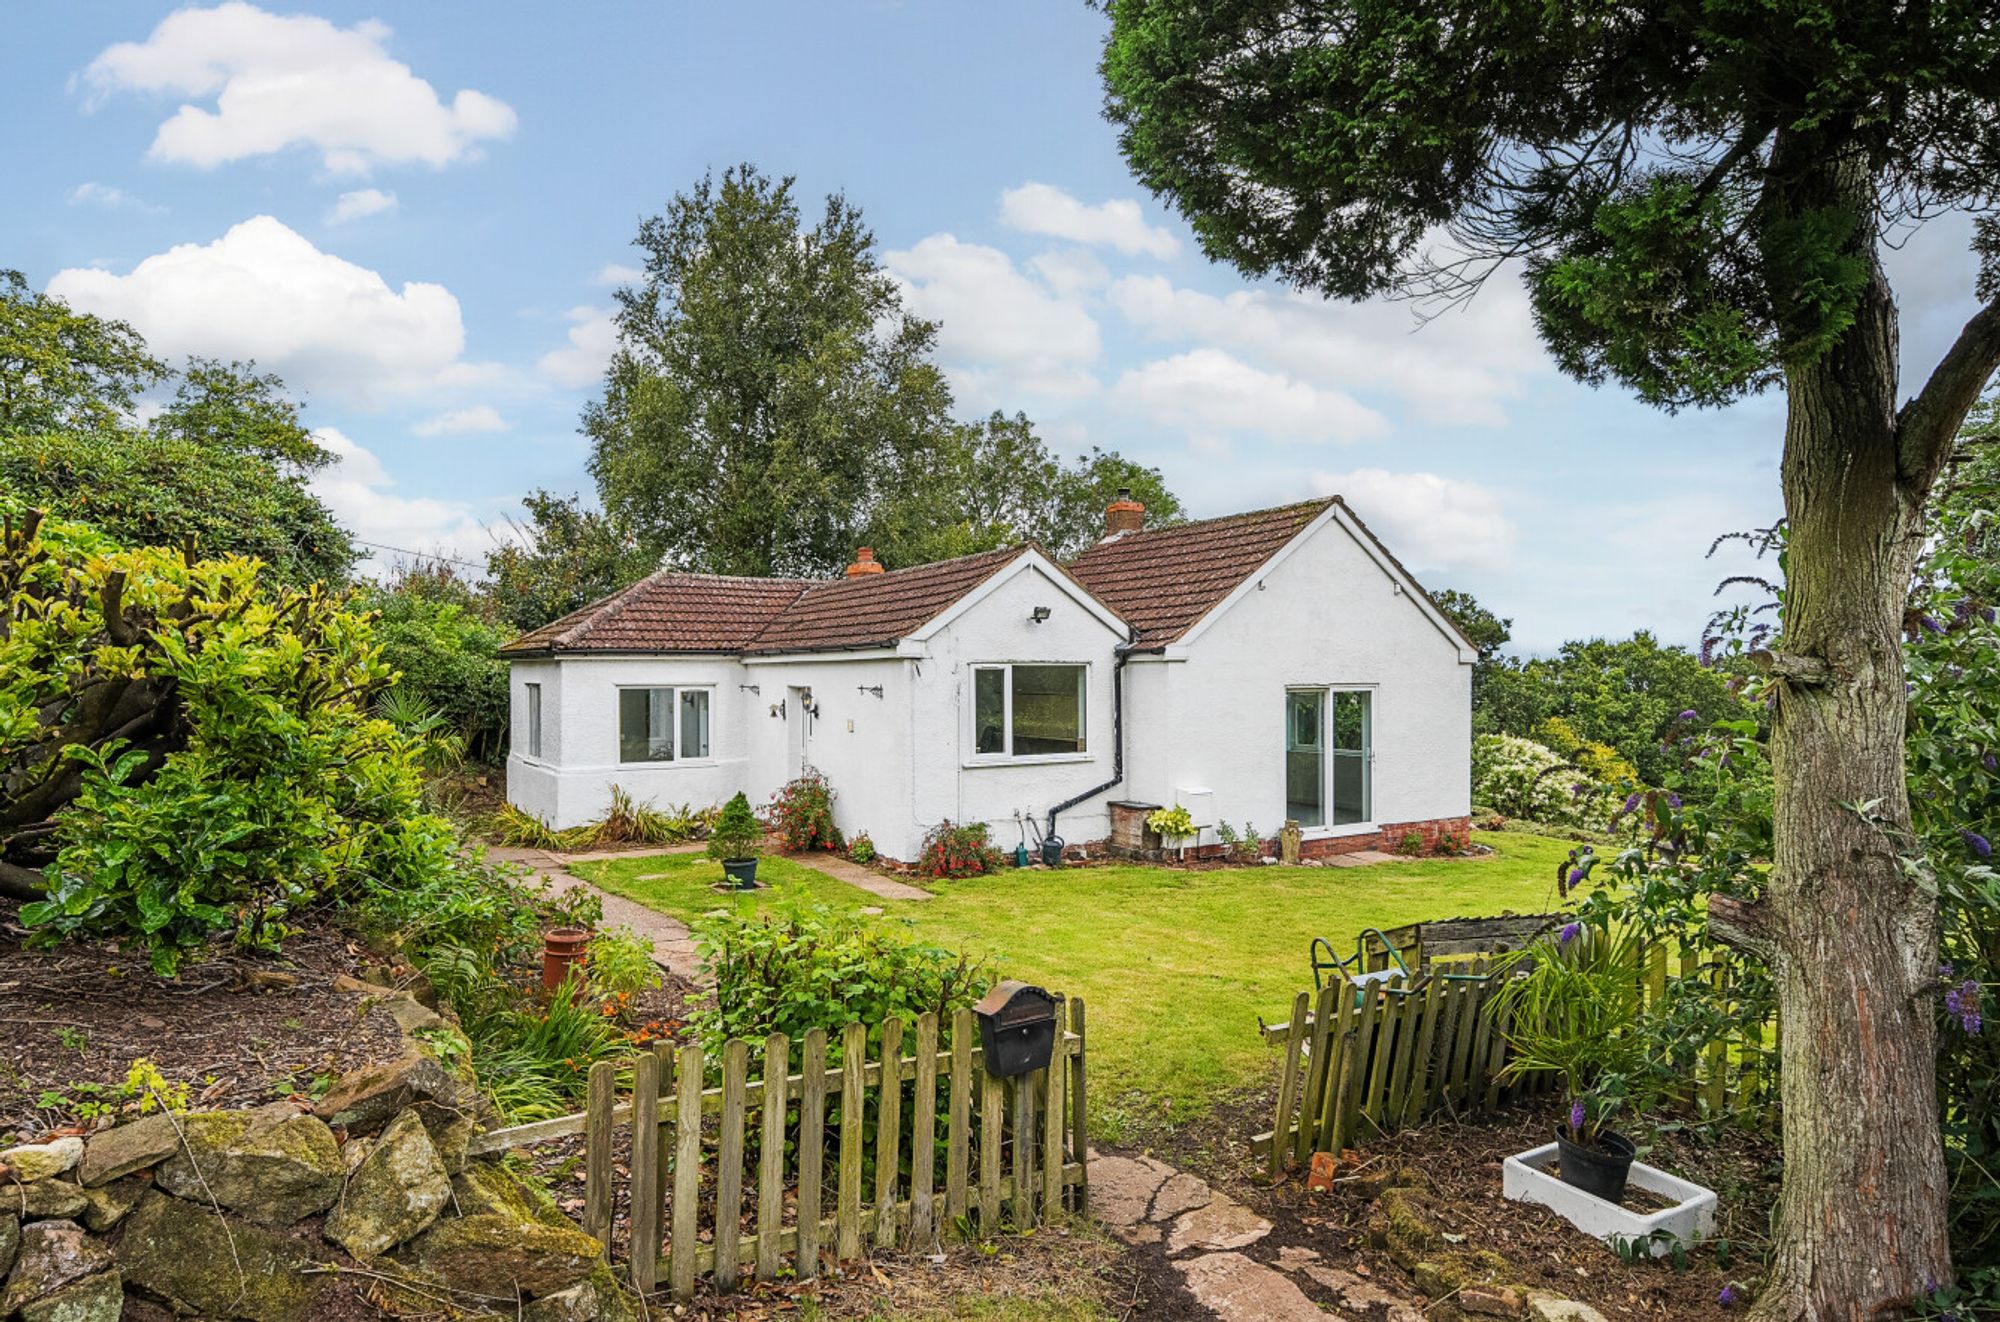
(1203, 1232)
(673, 945)
(867, 879)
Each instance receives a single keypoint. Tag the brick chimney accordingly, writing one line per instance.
(864, 563)
(1123, 514)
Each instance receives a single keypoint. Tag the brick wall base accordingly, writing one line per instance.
(1388, 840)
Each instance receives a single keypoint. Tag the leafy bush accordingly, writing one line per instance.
(951, 851)
(816, 969)
(736, 833)
(802, 814)
(620, 962)
(861, 849)
(446, 655)
(1521, 778)
(1174, 825)
(1600, 761)
(249, 778)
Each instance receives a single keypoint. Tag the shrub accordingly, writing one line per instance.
(620, 962)
(951, 851)
(1411, 845)
(1521, 778)
(1600, 761)
(1173, 825)
(802, 814)
(736, 833)
(815, 969)
(445, 655)
(861, 849)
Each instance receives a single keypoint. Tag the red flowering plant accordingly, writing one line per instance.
(802, 814)
(951, 851)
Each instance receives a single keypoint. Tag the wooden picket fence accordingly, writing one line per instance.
(1362, 1063)
(1013, 1153)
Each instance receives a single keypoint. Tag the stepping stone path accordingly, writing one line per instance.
(861, 878)
(1148, 1203)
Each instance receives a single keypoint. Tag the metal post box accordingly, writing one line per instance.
(1017, 1028)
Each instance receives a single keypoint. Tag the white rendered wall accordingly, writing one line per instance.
(858, 741)
(570, 784)
(1327, 616)
(999, 629)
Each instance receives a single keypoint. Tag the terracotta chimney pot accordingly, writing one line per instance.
(864, 563)
(1123, 514)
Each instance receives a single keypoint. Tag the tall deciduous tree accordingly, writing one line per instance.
(764, 371)
(566, 557)
(62, 370)
(233, 406)
(1699, 195)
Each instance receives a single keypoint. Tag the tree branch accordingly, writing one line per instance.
(1927, 425)
(22, 883)
(1790, 665)
(1741, 925)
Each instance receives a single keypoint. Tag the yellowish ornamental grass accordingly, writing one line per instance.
(1175, 966)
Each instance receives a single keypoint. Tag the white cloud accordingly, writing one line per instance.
(1430, 522)
(1072, 273)
(618, 274)
(358, 203)
(1002, 332)
(1463, 367)
(1046, 209)
(360, 493)
(279, 81)
(455, 422)
(104, 195)
(262, 291)
(1211, 394)
(593, 338)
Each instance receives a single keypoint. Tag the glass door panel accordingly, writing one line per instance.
(1305, 757)
(1352, 719)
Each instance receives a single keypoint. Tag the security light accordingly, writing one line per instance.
(1039, 614)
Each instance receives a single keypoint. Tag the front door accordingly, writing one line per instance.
(798, 731)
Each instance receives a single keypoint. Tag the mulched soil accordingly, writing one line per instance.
(1460, 1162)
(239, 1028)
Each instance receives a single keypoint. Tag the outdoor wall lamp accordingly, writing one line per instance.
(1038, 614)
(875, 689)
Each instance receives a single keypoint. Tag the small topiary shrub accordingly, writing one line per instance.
(951, 851)
(736, 833)
(802, 814)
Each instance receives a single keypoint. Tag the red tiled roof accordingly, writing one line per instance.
(1163, 580)
(668, 612)
(876, 610)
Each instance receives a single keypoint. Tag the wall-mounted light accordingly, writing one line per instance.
(778, 707)
(875, 689)
(1039, 614)
(749, 688)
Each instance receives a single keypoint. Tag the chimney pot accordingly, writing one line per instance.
(1124, 514)
(864, 563)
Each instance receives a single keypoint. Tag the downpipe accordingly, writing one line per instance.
(1117, 743)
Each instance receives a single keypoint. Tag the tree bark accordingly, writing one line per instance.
(1852, 920)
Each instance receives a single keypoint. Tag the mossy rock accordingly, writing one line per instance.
(113, 1153)
(99, 1298)
(10, 1241)
(52, 1256)
(188, 1257)
(108, 1205)
(396, 1192)
(273, 1165)
(1398, 1226)
(43, 1200)
(597, 1298)
(41, 1161)
(510, 1235)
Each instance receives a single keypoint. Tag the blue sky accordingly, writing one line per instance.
(416, 214)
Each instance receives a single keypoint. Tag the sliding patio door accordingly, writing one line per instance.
(1329, 756)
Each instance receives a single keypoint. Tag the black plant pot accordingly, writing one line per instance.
(742, 871)
(1599, 1170)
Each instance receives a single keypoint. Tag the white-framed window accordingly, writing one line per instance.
(533, 736)
(663, 724)
(1329, 756)
(1022, 710)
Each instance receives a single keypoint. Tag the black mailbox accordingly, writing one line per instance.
(1017, 1028)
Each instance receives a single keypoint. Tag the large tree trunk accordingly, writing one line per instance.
(1852, 926)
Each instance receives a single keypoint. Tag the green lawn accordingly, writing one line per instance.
(1174, 966)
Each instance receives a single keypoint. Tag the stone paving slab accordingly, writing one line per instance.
(867, 879)
(1237, 1289)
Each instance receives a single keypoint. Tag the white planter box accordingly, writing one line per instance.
(1691, 1218)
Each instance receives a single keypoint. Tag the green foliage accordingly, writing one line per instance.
(147, 489)
(1173, 824)
(625, 823)
(861, 849)
(62, 370)
(568, 557)
(802, 814)
(951, 852)
(621, 962)
(433, 632)
(234, 407)
(1576, 1011)
(1627, 695)
(284, 787)
(1601, 762)
(736, 834)
(814, 969)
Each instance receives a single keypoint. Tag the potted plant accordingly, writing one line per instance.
(1571, 1004)
(735, 841)
(1175, 826)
